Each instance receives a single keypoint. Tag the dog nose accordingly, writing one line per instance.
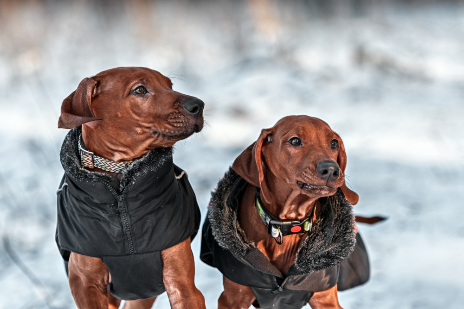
(328, 170)
(194, 107)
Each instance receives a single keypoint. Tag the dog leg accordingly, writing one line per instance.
(88, 280)
(235, 296)
(325, 300)
(113, 302)
(178, 277)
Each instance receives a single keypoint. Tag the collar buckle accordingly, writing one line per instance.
(87, 158)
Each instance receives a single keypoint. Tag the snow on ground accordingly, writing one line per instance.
(390, 82)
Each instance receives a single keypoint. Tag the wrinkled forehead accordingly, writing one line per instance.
(125, 77)
(305, 127)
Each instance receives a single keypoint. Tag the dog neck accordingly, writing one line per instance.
(284, 201)
(282, 256)
(104, 144)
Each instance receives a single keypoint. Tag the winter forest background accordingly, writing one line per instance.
(388, 76)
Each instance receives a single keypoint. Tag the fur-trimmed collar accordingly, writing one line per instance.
(331, 240)
(70, 160)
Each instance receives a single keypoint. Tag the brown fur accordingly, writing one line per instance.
(121, 125)
(276, 167)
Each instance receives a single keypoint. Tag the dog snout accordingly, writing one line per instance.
(328, 170)
(194, 107)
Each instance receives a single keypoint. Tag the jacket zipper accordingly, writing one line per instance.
(124, 217)
(280, 287)
(125, 220)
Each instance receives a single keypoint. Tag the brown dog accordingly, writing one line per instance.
(296, 171)
(127, 114)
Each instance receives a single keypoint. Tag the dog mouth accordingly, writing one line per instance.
(178, 134)
(173, 135)
(311, 187)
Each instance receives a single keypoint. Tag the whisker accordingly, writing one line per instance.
(347, 180)
(206, 123)
(176, 76)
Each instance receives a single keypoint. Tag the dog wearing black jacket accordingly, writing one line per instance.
(280, 226)
(126, 213)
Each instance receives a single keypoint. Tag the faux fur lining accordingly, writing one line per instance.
(70, 160)
(331, 240)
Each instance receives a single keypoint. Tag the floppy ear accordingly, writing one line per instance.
(249, 164)
(75, 109)
(350, 195)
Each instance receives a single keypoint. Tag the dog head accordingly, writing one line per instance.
(135, 107)
(301, 152)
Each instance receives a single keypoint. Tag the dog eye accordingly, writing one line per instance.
(334, 144)
(295, 141)
(140, 90)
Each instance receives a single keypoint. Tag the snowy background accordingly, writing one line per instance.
(388, 76)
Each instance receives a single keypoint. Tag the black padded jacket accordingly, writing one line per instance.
(323, 260)
(126, 223)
